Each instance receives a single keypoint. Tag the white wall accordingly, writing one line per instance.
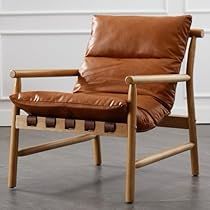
(54, 34)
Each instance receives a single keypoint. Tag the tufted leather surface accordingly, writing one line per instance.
(120, 46)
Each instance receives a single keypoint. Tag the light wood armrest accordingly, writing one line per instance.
(199, 33)
(166, 78)
(44, 73)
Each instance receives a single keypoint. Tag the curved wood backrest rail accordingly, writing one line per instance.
(191, 108)
(199, 33)
(44, 73)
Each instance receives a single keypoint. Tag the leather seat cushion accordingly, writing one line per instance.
(91, 106)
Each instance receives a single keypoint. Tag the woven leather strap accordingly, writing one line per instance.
(31, 120)
(50, 122)
(109, 127)
(69, 123)
(89, 125)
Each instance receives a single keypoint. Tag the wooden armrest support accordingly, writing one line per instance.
(166, 78)
(199, 33)
(44, 73)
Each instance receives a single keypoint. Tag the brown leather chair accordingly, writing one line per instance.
(125, 85)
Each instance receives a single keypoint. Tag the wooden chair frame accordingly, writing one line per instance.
(122, 129)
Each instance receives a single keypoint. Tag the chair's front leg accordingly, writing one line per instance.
(131, 146)
(14, 137)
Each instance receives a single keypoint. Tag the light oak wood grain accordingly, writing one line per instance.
(44, 73)
(55, 144)
(14, 138)
(131, 145)
(191, 108)
(163, 155)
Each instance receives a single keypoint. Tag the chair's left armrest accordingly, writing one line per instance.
(166, 78)
(44, 73)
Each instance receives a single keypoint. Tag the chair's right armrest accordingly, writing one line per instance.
(162, 78)
(198, 33)
(44, 73)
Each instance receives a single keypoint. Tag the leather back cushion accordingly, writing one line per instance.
(139, 37)
(134, 45)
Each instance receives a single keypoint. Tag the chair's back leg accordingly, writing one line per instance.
(97, 150)
(14, 137)
(131, 146)
(191, 109)
(192, 129)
